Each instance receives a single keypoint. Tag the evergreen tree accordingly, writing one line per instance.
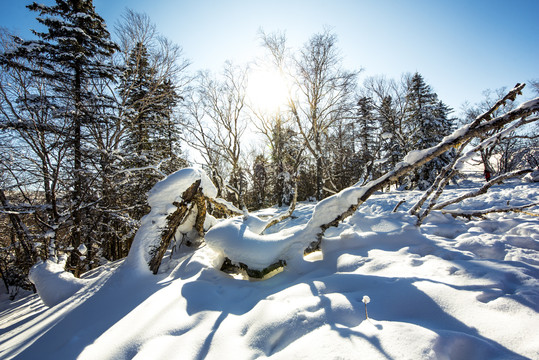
(167, 135)
(426, 124)
(367, 126)
(136, 88)
(260, 181)
(74, 50)
(286, 156)
(151, 135)
(346, 165)
(391, 139)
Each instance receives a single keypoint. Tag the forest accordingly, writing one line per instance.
(91, 120)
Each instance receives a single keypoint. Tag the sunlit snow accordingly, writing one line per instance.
(451, 289)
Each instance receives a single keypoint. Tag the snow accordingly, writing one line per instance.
(235, 240)
(53, 283)
(415, 155)
(83, 250)
(529, 104)
(451, 289)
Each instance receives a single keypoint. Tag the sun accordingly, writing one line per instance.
(267, 89)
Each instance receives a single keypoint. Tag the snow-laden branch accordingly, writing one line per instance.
(482, 213)
(149, 167)
(483, 189)
(346, 202)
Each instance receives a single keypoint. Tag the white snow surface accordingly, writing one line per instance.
(53, 283)
(452, 289)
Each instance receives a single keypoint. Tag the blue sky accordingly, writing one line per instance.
(461, 47)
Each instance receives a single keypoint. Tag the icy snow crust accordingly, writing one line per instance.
(451, 289)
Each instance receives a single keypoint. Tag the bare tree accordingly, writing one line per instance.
(216, 108)
(35, 150)
(323, 92)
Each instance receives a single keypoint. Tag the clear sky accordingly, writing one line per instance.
(461, 47)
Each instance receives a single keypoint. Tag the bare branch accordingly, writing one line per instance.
(484, 188)
(419, 159)
(481, 213)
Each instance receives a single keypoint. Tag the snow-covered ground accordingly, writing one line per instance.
(452, 289)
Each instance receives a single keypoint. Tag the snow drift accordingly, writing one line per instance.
(452, 289)
(53, 283)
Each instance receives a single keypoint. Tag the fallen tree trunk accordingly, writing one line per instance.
(416, 159)
(447, 173)
(483, 189)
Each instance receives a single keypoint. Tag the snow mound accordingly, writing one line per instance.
(53, 283)
(235, 239)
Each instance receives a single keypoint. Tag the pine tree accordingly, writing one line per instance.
(260, 180)
(135, 88)
(285, 156)
(391, 137)
(367, 137)
(74, 50)
(426, 124)
(345, 164)
(167, 134)
(151, 134)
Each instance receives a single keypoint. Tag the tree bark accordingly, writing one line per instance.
(173, 221)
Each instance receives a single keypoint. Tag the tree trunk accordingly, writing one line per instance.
(77, 167)
(19, 227)
(173, 221)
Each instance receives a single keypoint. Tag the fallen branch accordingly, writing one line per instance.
(447, 173)
(277, 219)
(483, 189)
(398, 205)
(511, 95)
(481, 213)
(224, 206)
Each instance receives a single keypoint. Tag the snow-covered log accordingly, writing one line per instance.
(173, 221)
(481, 213)
(354, 196)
